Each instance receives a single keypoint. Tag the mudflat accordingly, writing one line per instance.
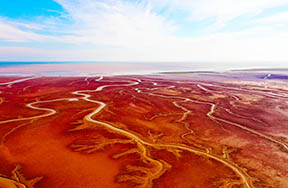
(145, 131)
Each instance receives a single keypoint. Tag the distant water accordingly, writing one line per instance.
(11, 64)
(116, 68)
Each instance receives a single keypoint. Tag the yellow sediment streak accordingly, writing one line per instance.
(10, 183)
(9, 84)
(3, 138)
(160, 166)
(141, 142)
(31, 105)
(246, 117)
(212, 110)
(210, 115)
(17, 180)
(269, 94)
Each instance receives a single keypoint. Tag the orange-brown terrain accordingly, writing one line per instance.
(160, 131)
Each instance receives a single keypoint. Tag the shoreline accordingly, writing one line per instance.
(78, 69)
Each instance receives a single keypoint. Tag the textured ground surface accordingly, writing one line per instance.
(178, 131)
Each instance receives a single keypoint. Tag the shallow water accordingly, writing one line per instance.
(120, 68)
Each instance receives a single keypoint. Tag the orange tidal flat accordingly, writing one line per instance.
(148, 131)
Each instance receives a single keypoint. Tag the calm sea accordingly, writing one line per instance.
(112, 68)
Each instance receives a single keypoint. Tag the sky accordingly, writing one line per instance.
(144, 30)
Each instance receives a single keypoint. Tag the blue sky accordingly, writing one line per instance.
(27, 9)
(144, 30)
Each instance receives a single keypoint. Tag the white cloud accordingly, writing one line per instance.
(14, 53)
(222, 10)
(143, 35)
(236, 47)
(135, 31)
(116, 23)
(11, 33)
(276, 20)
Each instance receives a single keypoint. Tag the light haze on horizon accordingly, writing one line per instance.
(144, 30)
